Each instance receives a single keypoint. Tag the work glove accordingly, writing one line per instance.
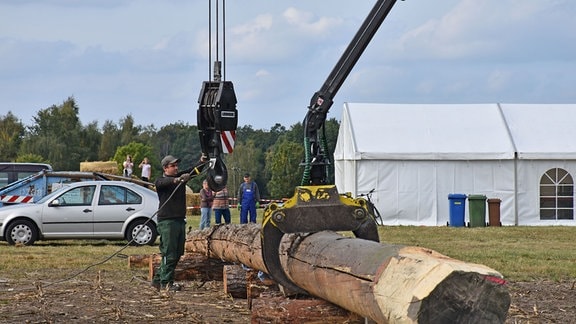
(184, 178)
(257, 204)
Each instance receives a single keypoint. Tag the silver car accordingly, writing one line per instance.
(85, 210)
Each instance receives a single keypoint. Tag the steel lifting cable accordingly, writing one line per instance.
(217, 37)
(209, 39)
(211, 97)
(224, 40)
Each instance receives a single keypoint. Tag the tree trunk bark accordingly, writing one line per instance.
(385, 283)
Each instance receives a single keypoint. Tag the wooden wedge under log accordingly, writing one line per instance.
(274, 308)
(234, 281)
(139, 260)
(382, 282)
(192, 266)
(244, 283)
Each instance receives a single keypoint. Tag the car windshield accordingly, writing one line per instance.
(54, 193)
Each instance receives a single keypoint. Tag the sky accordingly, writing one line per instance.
(149, 58)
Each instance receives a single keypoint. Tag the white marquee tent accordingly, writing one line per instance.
(415, 155)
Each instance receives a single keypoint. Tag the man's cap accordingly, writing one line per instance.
(246, 175)
(169, 159)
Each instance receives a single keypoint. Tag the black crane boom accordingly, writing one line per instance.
(317, 166)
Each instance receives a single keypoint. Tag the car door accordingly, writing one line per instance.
(72, 216)
(116, 203)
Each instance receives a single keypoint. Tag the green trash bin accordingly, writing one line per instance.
(477, 211)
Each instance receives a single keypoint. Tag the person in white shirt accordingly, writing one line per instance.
(146, 170)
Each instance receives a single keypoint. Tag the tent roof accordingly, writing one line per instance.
(542, 131)
(456, 131)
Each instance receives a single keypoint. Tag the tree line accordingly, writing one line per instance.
(58, 137)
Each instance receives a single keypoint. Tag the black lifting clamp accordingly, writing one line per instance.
(312, 209)
(217, 114)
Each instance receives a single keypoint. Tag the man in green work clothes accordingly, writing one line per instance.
(171, 189)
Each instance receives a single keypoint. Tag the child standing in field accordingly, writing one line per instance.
(146, 170)
(206, 199)
(220, 206)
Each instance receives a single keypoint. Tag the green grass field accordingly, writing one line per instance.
(519, 253)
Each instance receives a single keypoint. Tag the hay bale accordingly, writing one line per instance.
(192, 202)
(109, 167)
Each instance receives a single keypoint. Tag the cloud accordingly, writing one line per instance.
(305, 21)
(290, 35)
(253, 39)
(498, 80)
(140, 57)
(68, 3)
(21, 58)
(262, 73)
(60, 57)
(256, 26)
(484, 30)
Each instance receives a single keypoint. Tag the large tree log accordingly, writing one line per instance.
(385, 283)
(230, 242)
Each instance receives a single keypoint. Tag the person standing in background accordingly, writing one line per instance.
(220, 206)
(128, 166)
(248, 199)
(146, 170)
(206, 199)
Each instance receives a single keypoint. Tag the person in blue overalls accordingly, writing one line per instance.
(248, 199)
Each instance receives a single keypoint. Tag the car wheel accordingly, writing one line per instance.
(141, 233)
(21, 231)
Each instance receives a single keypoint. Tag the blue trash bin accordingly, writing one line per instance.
(457, 209)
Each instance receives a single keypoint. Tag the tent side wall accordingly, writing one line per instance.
(345, 173)
(529, 175)
(345, 155)
(414, 155)
(416, 192)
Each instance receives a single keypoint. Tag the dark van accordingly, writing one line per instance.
(12, 171)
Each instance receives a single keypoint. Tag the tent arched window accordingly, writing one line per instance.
(556, 195)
